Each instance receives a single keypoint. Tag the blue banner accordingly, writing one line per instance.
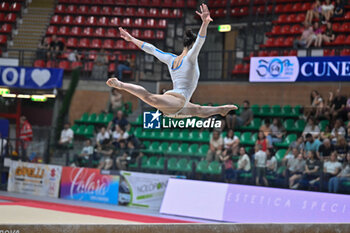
(30, 78)
(299, 69)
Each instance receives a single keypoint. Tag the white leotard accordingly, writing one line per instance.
(185, 77)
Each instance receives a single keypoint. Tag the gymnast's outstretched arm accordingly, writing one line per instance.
(164, 57)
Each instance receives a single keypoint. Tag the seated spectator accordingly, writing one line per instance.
(316, 37)
(100, 68)
(243, 164)
(317, 105)
(328, 36)
(347, 136)
(115, 101)
(342, 148)
(105, 153)
(56, 47)
(332, 167)
(295, 169)
(74, 56)
(119, 120)
(337, 131)
(311, 143)
(327, 11)
(311, 128)
(118, 135)
(260, 165)
(262, 140)
(304, 38)
(277, 131)
(271, 163)
(226, 159)
(338, 8)
(43, 47)
(294, 154)
(81, 159)
(102, 136)
(343, 176)
(231, 141)
(266, 127)
(312, 171)
(124, 66)
(314, 12)
(216, 145)
(325, 150)
(246, 116)
(298, 144)
(129, 153)
(67, 136)
(326, 134)
(338, 106)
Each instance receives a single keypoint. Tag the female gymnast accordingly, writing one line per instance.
(184, 72)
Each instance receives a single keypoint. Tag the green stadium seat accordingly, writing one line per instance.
(246, 139)
(276, 111)
(173, 149)
(193, 149)
(163, 147)
(265, 110)
(92, 118)
(75, 128)
(323, 124)
(289, 125)
(296, 110)
(127, 110)
(287, 141)
(215, 168)
(300, 125)
(174, 135)
(194, 135)
(146, 144)
(160, 164)
(256, 109)
(204, 136)
(184, 166)
(203, 150)
(81, 130)
(280, 154)
(108, 118)
(151, 163)
(202, 167)
(83, 118)
(254, 125)
(238, 134)
(184, 135)
(183, 149)
(143, 162)
(89, 131)
(138, 121)
(138, 132)
(287, 111)
(153, 148)
(255, 137)
(100, 119)
(172, 164)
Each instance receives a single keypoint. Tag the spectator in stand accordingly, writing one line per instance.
(316, 36)
(331, 168)
(115, 101)
(312, 171)
(102, 136)
(118, 135)
(56, 47)
(314, 12)
(338, 106)
(294, 154)
(317, 104)
(266, 127)
(262, 140)
(67, 136)
(119, 120)
(43, 47)
(243, 164)
(26, 133)
(325, 150)
(74, 56)
(311, 128)
(124, 66)
(342, 148)
(326, 133)
(128, 152)
(85, 154)
(105, 152)
(260, 165)
(347, 108)
(298, 144)
(271, 163)
(234, 121)
(3, 145)
(100, 68)
(226, 159)
(338, 8)
(277, 131)
(311, 143)
(327, 11)
(231, 141)
(328, 36)
(304, 38)
(338, 130)
(296, 167)
(216, 145)
(347, 137)
(343, 176)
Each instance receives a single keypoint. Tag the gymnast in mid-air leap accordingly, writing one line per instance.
(184, 72)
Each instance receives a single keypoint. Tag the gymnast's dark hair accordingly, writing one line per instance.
(189, 38)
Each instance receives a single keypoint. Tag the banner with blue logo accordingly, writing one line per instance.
(30, 78)
(299, 69)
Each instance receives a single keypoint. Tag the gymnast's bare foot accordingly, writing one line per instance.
(114, 82)
(227, 108)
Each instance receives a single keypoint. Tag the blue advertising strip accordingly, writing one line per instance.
(299, 69)
(30, 78)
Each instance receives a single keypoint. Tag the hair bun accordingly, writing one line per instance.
(189, 38)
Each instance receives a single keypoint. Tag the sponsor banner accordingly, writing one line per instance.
(34, 179)
(31, 78)
(88, 184)
(251, 204)
(142, 189)
(299, 69)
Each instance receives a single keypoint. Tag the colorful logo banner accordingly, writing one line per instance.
(34, 179)
(31, 78)
(88, 184)
(299, 69)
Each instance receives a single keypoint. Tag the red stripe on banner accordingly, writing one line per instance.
(89, 211)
